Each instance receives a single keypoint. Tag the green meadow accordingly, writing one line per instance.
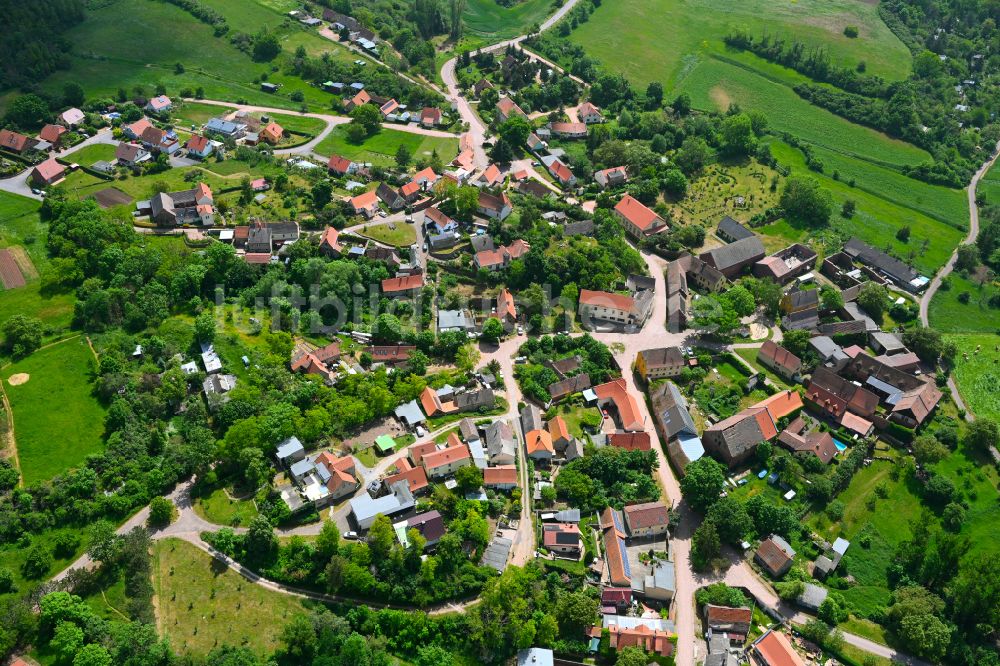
(949, 314)
(58, 421)
(139, 42)
(487, 18)
(659, 40)
(381, 148)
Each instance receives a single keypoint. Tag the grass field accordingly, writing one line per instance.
(381, 148)
(877, 219)
(403, 235)
(659, 40)
(978, 377)
(750, 355)
(94, 152)
(13, 555)
(201, 603)
(216, 507)
(57, 419)
(488, 18)
(116, 46)
(989, 186)
(714, 85)
(713, 194)
(949, 315)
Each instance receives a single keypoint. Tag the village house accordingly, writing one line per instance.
(403, 286)
(563, 539)
(569, 130)
(820, 444)
(898, 271)
(780, 360)
(196, 205)
(341, 166)
(360, 99)
(415, 477)
(159, 104)
(559, 171)
(648, 519)
(614, 395)
(390, 354)
(618, 572)
(612, 177)
(48, 172)
(784, 266)
(329, 245)
(494, 207)
(392, 199)
(14, 142)
(734, 440)
(445, 462)
(732, 621)
(506, 310)
(199, 146)
(773, 649)
(321, 361)
(660, 363)
(568, 386)
(365, 204)
(226, 128)
(538, 444)
(731, 231)
(501, 477)
(495, 260)
(675, 425)
(365, 508)
(72, 117)
(589, 114)
(603, 306)
(639, 220)
(775, 556)
(506, 108)
(52, 134)
(501, 445)
(630, 441)
(430, 116)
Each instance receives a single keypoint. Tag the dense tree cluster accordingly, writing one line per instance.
(608, 476)
(534, 377)
(32, 47)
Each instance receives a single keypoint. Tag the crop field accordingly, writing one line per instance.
(58, 421)
(877, 220)
(978, 377)
(201, 603)
(381, 148)
(657, 40)
(489, 19)
(950, 315)
(117, 46)
(713, 85)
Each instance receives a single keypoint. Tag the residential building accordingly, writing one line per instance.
(501, 477)
(559, 432)
(495, 207)
(199, 146)
(780, 360)
(618, 571)
(321, 361)
(612, 177)
(701, 274)
(388, 107)
(639, 220)
(226, 128)
(531, 418)
(734, 440)
(15, 142)
(501, 445)
(392, 199)
(538, 444)
(784, 266)
(360, 99)
(403, 286)
(735, 622)
(329, 243)
(130, 154)
(615, 600)
(731, 259)
(569, 130)
(437, 222)
(429, 524)
(341, 166)
(506, 108)
(562, 539)
(259, 239)
(562, 173)
(391, 354)
(72, 117)
(415, 478)
(775, 555)
(820, 444)
(660, 363)
(614, 395)
(52, 134)
(430, 116)
(675, 425)
(48, 172)
(186, 206)
(564, 387)
(619, 309)
(652, 635)
(480, 86)
(535, 656)
(899, 272)
(495, 260)
(589, 114)
(365, 508)
(290, 451)
(506, 309)
(446, 461)
(647, 519)
(490, 177)
(661, 583)
(773, 649)
(159, 104)
(630, 441)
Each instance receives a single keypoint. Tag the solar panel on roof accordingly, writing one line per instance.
(624, 554)
(616, 518)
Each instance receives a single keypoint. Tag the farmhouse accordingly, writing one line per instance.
(639, 220)
(494, 207)
(501, 446)
(502, 477)
(506, 108)
(648, 519)
(786, 265)
(730, 260)
(402, 286)
(175, 208)
(589, 114)
(614, 395)
(365, 204)
(446, 461)
(899, 272)
(563, 539)
(569, 130)
(670, 411)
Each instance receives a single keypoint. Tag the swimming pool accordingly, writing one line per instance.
(840, 445)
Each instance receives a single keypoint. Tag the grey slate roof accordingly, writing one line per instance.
(732, 231)
(734, 254)
(671, 410)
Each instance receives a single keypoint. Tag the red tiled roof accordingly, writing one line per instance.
(197, 143)
(330, 239)
(427, 173)
(639, 215)
(51, 133)
(536, 441)
(718, 615)
(418, 451)
(500, 475)
(430, 401)
(390, 353)
(648, 514)
(257, 257)
(607, 299)
(13, 141)
(558, 429)
(628, 408)
(551, 534)
(402, 283)
(517, 249)
(491, 176)
(782, 403)
(140, 126)
(50, 169)
(775, 650)
(416, 477)
(569, 128)
(505, 305)
(446, 456)
(338, 164)
(587, 109)
(364, 201)
(430, 114)
(409, 188)
(780, 356)
(650, 640)
(630, 441)
(561, 171)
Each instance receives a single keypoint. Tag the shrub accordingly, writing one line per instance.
(851, 31)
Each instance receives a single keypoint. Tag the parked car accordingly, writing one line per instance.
(352, 535)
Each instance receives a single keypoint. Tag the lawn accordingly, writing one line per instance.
(978, 377)
(750, 356)
(114, 47)
(574, 414)
(93, 153)
(58, 421)
(216, 507)
(659, 40)
(490, 19)
(398, 234)
(989, 186)
(201, 603)
(713, 194)
(381, 148)
(877, 219)
(948, 314)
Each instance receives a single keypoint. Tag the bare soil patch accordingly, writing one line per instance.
(18, 379)
(112, 196)
(24, 262)
(10, 274)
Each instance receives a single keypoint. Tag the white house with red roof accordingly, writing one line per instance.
(495, 207)
(199, 146)
(569, 130)
(639, 220)
(559, 171)
(404, 285)
(365, 204)
(329, 243)
(159, 104)
(341, 165)
(430, 116)
(135, 130)
(507, 108)
(620, 309)
(589, 114)
(495, 260)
